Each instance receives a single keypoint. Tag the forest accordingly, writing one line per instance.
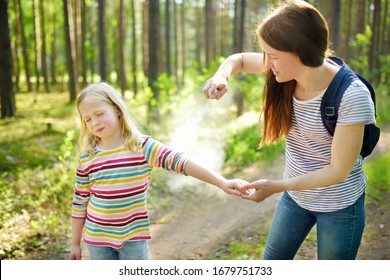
(51, 45)
(158, 54)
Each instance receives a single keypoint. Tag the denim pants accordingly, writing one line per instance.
(339, 233)
(131, 250)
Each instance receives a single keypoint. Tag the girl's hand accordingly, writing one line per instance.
(75, 253)
(233, 186)
(216, 87)
(258, 190)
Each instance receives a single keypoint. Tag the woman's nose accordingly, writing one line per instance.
(267, 62)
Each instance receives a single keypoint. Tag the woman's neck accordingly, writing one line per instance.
(314, 80)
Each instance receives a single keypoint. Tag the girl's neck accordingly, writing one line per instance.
(112, 143)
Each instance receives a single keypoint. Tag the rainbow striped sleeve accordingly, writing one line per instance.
(161, 156)
(81, 192)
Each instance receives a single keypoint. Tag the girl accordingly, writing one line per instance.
(109, 206)
(323, 183)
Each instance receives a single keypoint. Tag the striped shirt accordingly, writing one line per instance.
(308, 148)
(111, 187)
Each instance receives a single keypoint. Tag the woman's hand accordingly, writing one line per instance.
(215, 87)
(259, 190)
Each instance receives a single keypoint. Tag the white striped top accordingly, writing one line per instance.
(308, 148)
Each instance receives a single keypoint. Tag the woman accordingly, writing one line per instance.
(323, 183)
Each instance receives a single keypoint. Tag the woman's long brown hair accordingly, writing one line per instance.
(299, 28)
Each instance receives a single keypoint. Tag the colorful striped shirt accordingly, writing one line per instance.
(111, 187)
(308, 148)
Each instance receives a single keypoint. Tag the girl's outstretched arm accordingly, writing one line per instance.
(207, 175)
(77, 229)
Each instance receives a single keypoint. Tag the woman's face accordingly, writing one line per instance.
(284, 65)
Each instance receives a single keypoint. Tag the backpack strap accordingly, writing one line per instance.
(370, 89)
(330, 102)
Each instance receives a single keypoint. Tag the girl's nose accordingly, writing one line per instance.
(95, 121)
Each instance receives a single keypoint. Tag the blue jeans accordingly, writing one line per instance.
(131, 250)
(339, 233)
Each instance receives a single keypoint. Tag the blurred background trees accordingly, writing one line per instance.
(65, 44)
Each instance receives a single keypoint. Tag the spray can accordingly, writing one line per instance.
(216, 92)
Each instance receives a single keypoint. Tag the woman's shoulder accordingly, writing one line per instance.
(356, 92)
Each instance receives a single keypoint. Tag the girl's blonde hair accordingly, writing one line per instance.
(104, 92)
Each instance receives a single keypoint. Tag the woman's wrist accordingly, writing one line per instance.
(282, 186)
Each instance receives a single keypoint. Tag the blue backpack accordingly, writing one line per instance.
(331, 101)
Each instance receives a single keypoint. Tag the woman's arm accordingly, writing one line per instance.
(240, 62)
(346, 146)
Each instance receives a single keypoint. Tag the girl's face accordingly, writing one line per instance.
(284, 65)
(102, 120)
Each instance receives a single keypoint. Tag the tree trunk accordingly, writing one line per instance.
(24, 46)
(198, 35)
(83, 40)
(77, 32)
(154, 55)
(239, 43)
(348, 23)
(43, 48)
(70, 50)
(385, 30)
(168, 37)
(53, 48)
(6, 89)
(183, 41)
(361, 16)
(37, 36)
(210, 31)
(175, 43)
(134, 49)
(15, 48)
(334, 24)
(145, 36)
(373, 54)
(122, 46)
(102, 41)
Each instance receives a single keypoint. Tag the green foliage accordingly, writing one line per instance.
(33, 203)
(35, 186)
(378, 175)
(382, 107)
(67, 148)
(241, 148)
(384, 73)
(362, 44)
(250, 87)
